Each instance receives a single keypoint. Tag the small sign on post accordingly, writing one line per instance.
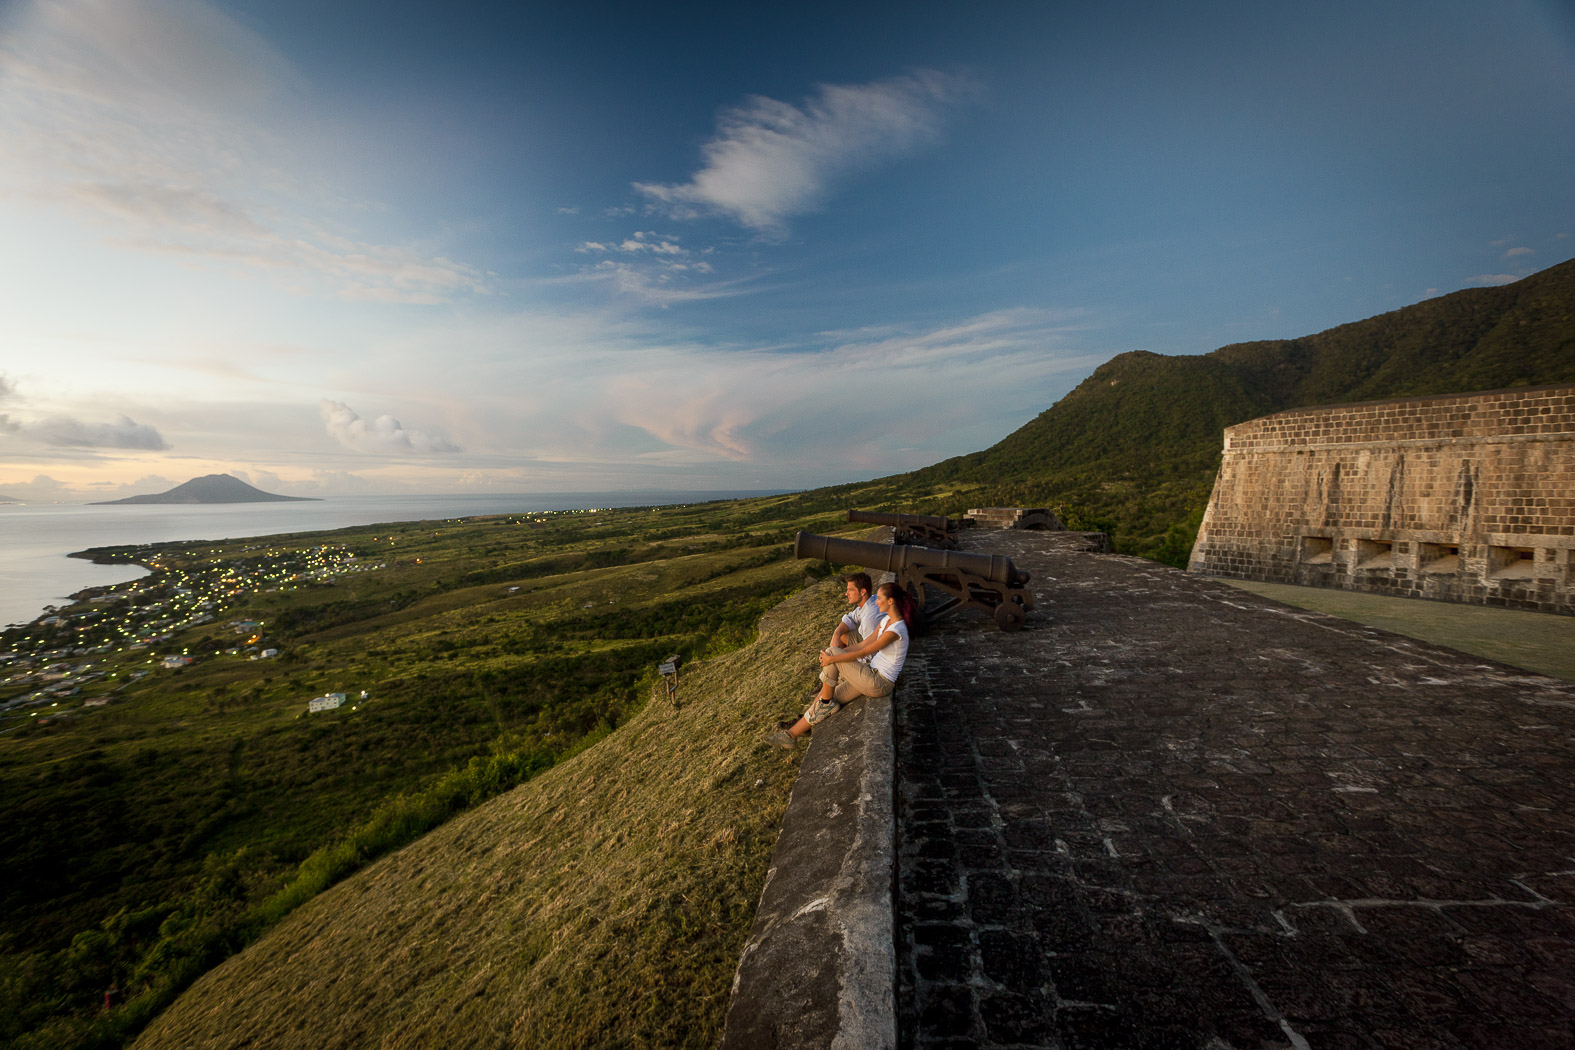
(669, 672)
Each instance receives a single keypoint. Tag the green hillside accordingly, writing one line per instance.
(1134, 448)
(602, 904)
(160, 816)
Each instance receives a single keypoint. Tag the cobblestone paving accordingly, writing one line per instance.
(1170, 814)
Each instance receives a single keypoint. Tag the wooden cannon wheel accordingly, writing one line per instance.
(1009, 616)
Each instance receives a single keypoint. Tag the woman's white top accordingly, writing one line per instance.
(888, 659)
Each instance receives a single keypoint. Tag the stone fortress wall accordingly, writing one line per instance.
(1467, 498)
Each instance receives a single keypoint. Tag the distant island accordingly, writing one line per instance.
(8, 499)
(210, 488)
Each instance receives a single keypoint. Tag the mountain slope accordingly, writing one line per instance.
(1135, 446)
(210, 488)
(603, 903)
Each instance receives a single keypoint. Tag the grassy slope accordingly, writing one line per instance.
(146, 840)
(602, 904)
(1135, 446)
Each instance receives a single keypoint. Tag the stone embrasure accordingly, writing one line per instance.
(1011, 518)
(1170, 814)
(1468, 498)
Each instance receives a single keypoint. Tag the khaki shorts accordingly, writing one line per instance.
(851, 680)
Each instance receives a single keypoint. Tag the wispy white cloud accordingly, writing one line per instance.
(655, 268)
(157, 119)
(771, 160)
(1489, 279)
(1514, 252)
(871, 400)
(609, 399)
(640, 242)
(660, 281)
(384, 435)
(882, 401)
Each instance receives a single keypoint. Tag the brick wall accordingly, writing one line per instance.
(1465, 498)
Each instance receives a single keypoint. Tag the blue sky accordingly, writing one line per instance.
(400, 247)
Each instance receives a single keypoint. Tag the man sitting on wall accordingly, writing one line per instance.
(860, 623)
(857, 626)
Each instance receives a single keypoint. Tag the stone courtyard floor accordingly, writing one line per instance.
(1169, 813)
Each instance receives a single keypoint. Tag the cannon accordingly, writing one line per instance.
(989, 582)
(922, 529)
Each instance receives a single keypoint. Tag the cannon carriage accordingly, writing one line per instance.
(988, 582)
(922, 529)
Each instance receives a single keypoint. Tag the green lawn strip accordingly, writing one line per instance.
(1540, 642)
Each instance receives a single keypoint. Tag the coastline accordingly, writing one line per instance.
(36, 539)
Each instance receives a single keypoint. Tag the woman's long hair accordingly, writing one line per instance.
(899, 599)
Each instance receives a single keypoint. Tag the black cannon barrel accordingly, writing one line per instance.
(875, 517)
(997, 568)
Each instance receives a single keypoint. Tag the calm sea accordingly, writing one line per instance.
(35, 538)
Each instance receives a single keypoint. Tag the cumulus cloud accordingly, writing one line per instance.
(63, 431)
(41, 488)
(122, 432)
(771, 160)
(384, 435)
(152, 118)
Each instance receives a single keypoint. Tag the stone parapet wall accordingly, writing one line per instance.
(1012, 518)
(1465, 498)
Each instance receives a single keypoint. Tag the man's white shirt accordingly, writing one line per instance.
(865, 619)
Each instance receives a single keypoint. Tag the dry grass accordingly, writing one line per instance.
(603, 904)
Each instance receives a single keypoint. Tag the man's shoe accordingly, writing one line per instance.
(783, 739)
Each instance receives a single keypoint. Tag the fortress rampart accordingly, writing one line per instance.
(1467, 498)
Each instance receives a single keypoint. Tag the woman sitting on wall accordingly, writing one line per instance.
(868, 669)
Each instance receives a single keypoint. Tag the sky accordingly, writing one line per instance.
(403, 247)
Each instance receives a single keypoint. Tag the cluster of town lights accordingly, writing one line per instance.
(151, 610)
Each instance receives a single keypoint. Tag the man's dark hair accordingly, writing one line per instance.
(861, 580)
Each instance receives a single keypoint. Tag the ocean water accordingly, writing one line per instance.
(36, 537)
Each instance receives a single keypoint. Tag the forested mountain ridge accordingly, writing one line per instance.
(1135, 446)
